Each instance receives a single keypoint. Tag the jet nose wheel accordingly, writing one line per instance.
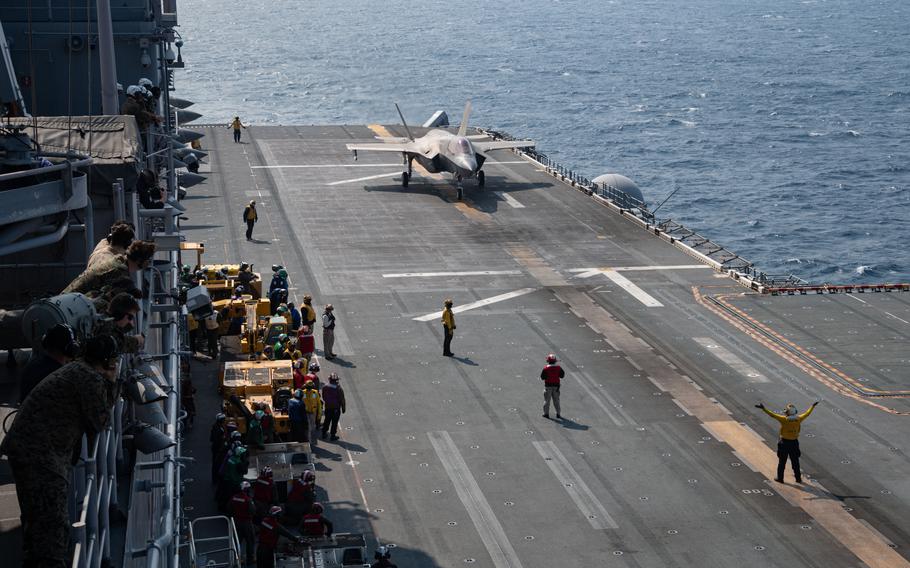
(405, 178)
(481, 179)
(460, 191)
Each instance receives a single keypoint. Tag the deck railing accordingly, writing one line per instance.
(726, 259)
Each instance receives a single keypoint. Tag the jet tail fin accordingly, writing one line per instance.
(404, 122)
(463, 128)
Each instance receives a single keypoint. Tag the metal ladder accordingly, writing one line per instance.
(220, 550)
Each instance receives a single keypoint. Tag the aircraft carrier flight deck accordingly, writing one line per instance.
(661, 458)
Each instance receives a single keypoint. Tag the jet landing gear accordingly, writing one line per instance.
(481, 179)
(406, 176)
(459, 189)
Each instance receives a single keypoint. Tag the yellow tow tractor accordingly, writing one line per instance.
(251, 383)
(218, 286)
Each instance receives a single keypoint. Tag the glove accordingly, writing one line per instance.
(815, 403)
(760, 405)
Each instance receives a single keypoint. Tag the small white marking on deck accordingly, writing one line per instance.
(632, 289)
(731, 360)
(466, 273)
(488, 162)
(478, 304)
(377, 176)
(897, 318)
(592, 509)
(509, 199)
(488, 527)
(855, 298)
(326, 166)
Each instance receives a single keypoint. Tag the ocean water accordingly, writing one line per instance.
(784, 123)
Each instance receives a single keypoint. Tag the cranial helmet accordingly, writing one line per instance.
(314, 366)
(275, 511)
(318, 508)
(383, 552)
(790, 410)
(245, 486)
(283, 273)
(551, 358)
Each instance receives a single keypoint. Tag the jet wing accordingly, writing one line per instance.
(481, 146)
(382, 147)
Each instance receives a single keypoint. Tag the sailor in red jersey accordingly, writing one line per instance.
(241, 509)
(551, 377)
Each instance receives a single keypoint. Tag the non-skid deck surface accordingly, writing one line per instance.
(661, 460)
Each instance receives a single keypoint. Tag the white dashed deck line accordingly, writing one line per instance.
(514, 203)
(588, 503)
(731, 360)
(488, 526)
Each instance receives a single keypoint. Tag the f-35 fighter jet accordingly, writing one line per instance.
(460, 154)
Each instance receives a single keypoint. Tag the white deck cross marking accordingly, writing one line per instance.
(514, 203)
(488, 527)
(466, 273)
(478, 304)
(377, 176)
(588, 272)
(635, 291)
(575, 486)
(731, 360)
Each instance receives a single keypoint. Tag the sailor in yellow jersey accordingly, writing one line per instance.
(788, 444)
(448, 327)
(237, 125)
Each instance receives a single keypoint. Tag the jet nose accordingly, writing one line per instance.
(467, 163)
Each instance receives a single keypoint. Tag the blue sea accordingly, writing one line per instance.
(785, 124)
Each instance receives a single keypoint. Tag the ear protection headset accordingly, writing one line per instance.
(61, 338)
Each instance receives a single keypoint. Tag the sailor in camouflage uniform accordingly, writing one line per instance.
(119, 320)
(44, 442)
(114, 275)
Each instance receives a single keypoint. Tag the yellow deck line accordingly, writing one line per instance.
(787, 355)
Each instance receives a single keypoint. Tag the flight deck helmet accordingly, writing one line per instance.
(382, 552)
(551, 358)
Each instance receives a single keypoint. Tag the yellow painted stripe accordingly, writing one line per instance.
(865, 543)
(472, 213)
(763, 339)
